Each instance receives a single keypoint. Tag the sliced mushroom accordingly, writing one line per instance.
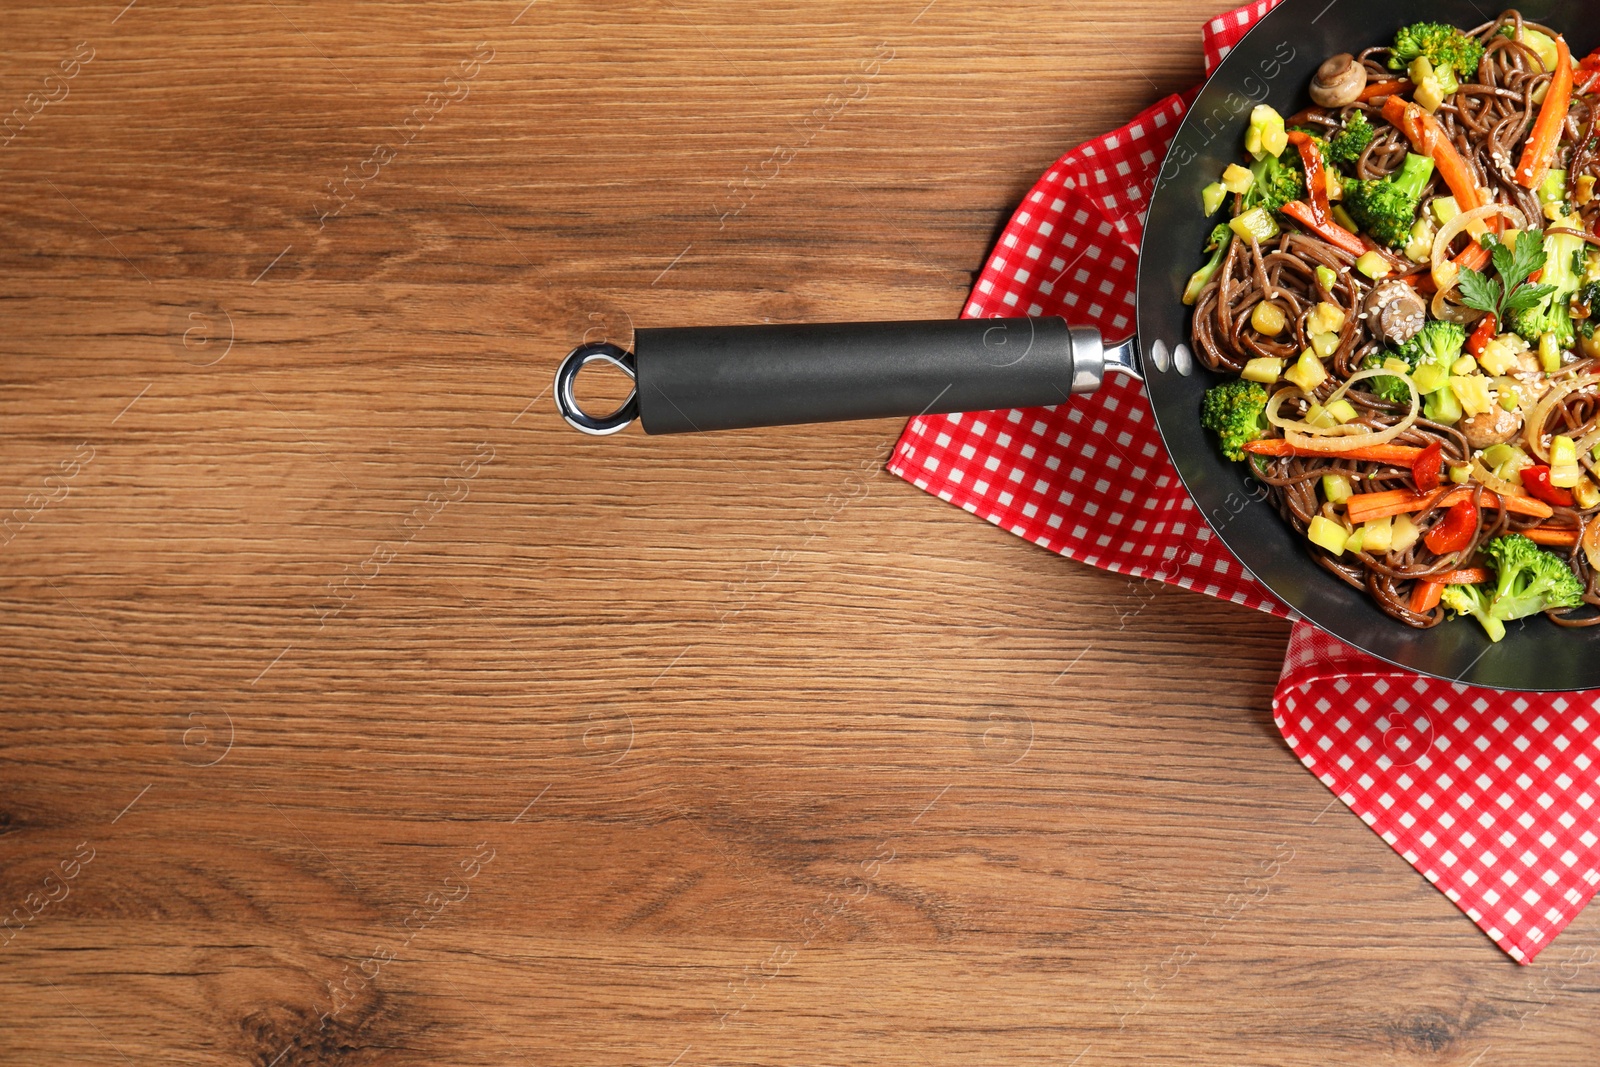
(1339, 82)
(1494, 427)
(1394, 312)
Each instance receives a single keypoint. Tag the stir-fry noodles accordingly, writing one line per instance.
(1404, 305)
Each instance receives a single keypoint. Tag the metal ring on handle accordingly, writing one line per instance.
(567, 403)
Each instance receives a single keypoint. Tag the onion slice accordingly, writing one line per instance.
(1454, 228)
(1489, 480)
(1450, 312)
(1446, 275)
(1335, 439)
(1591, 542)
(1533, 426)
(1587, 442)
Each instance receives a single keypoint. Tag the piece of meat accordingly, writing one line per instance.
(1494, 427)
(1532, 382)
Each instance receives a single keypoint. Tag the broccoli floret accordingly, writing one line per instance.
(1451, 52)
(1277, 183)
(1528, 579)
(1386, 386)
(1553, 314)
(1345, 148)
(1439, 343)
(1221, 238)
(1473, 600)
(1387, 209)
(1236, 412)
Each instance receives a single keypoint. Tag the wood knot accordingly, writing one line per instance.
(294, 1036)
(1430, 1032)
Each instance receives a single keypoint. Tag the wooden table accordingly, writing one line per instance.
(359, 711)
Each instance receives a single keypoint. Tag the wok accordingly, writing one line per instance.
(697, 379)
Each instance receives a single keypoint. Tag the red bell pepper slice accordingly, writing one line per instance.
(1536, 480)
(1590, 70)
(1455, 532)
(1316, 177)
(1487, 328)
(1426, 468)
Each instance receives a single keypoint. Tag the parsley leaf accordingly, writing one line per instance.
(1514, 265)
(1480, 293)
(1526, 297)
(1527, 258)
(1501, 255)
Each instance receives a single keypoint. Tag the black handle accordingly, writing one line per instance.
(724, 378)
(695, 379)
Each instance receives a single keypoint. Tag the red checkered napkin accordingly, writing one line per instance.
(1490, 795)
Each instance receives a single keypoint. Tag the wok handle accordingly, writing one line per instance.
(696, 379)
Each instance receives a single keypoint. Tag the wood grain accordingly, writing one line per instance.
(401, 725)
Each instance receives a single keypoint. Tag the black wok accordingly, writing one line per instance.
(727, 377)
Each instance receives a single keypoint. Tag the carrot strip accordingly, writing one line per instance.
(1398, 455)
(1466, 576)
(1328, 230)
(1540, 152)
(1425, 596)
(1474, 256)
(1364, 507)
(1556, 537)
(1421, 281)
(1429, 139)
(1516, 503)
(1389, 88)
